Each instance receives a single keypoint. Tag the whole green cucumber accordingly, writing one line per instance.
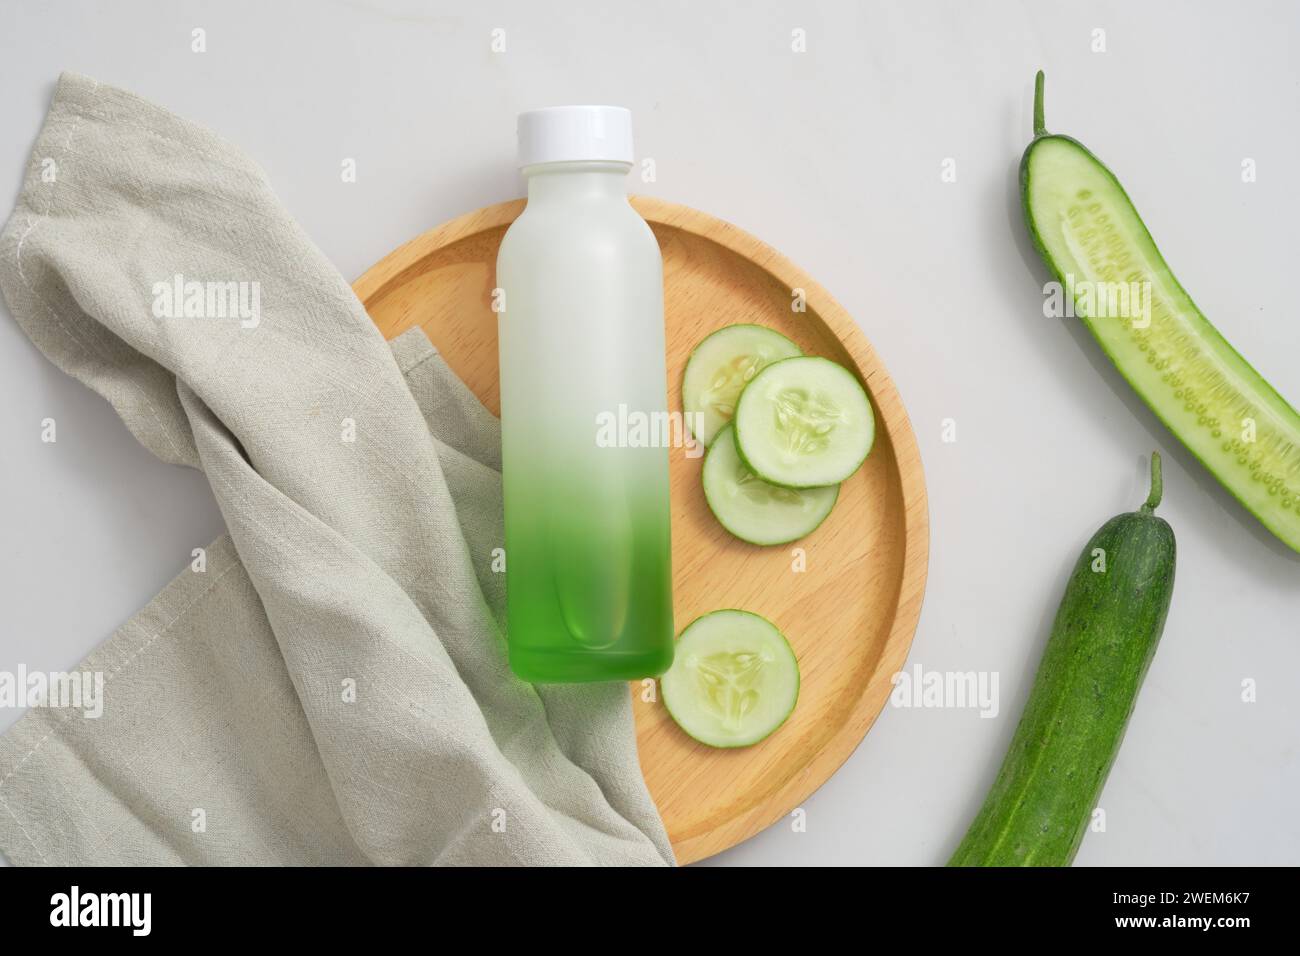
(1102, 642)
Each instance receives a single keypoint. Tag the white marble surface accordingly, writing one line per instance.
(834, 156)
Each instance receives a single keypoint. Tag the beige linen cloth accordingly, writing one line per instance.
(332, 687)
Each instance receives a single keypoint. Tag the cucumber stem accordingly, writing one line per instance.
(1157, 485)
(1040, 127)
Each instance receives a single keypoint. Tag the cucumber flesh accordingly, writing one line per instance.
(804, 423)
(1091, 237)
(734, 679)
(720, 367)
(753, 510)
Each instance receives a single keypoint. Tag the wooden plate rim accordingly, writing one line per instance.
(392, 271)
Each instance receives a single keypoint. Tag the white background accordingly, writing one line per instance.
(833, 156)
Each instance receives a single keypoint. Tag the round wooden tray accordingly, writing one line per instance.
(850, 613)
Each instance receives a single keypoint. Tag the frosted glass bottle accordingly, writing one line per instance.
(581, 330)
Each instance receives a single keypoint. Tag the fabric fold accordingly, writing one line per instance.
(332, 686)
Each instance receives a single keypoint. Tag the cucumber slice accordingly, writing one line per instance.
(1087, 230)
(754, 510)
(720, 367)
(803, 423)
(734, 679)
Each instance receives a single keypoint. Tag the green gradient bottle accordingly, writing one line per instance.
(588, 563)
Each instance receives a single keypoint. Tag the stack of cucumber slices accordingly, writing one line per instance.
(783, 430)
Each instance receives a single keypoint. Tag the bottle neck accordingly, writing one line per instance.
(579, 181)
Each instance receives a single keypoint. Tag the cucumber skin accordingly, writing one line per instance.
(1283, 534)
(1101, 646)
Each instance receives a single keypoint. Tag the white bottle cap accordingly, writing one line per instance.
(564, 134)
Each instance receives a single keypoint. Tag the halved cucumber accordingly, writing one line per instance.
(734, 679)
(720, 367)
(1087, 231)
(803, 423)
(754, 510)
